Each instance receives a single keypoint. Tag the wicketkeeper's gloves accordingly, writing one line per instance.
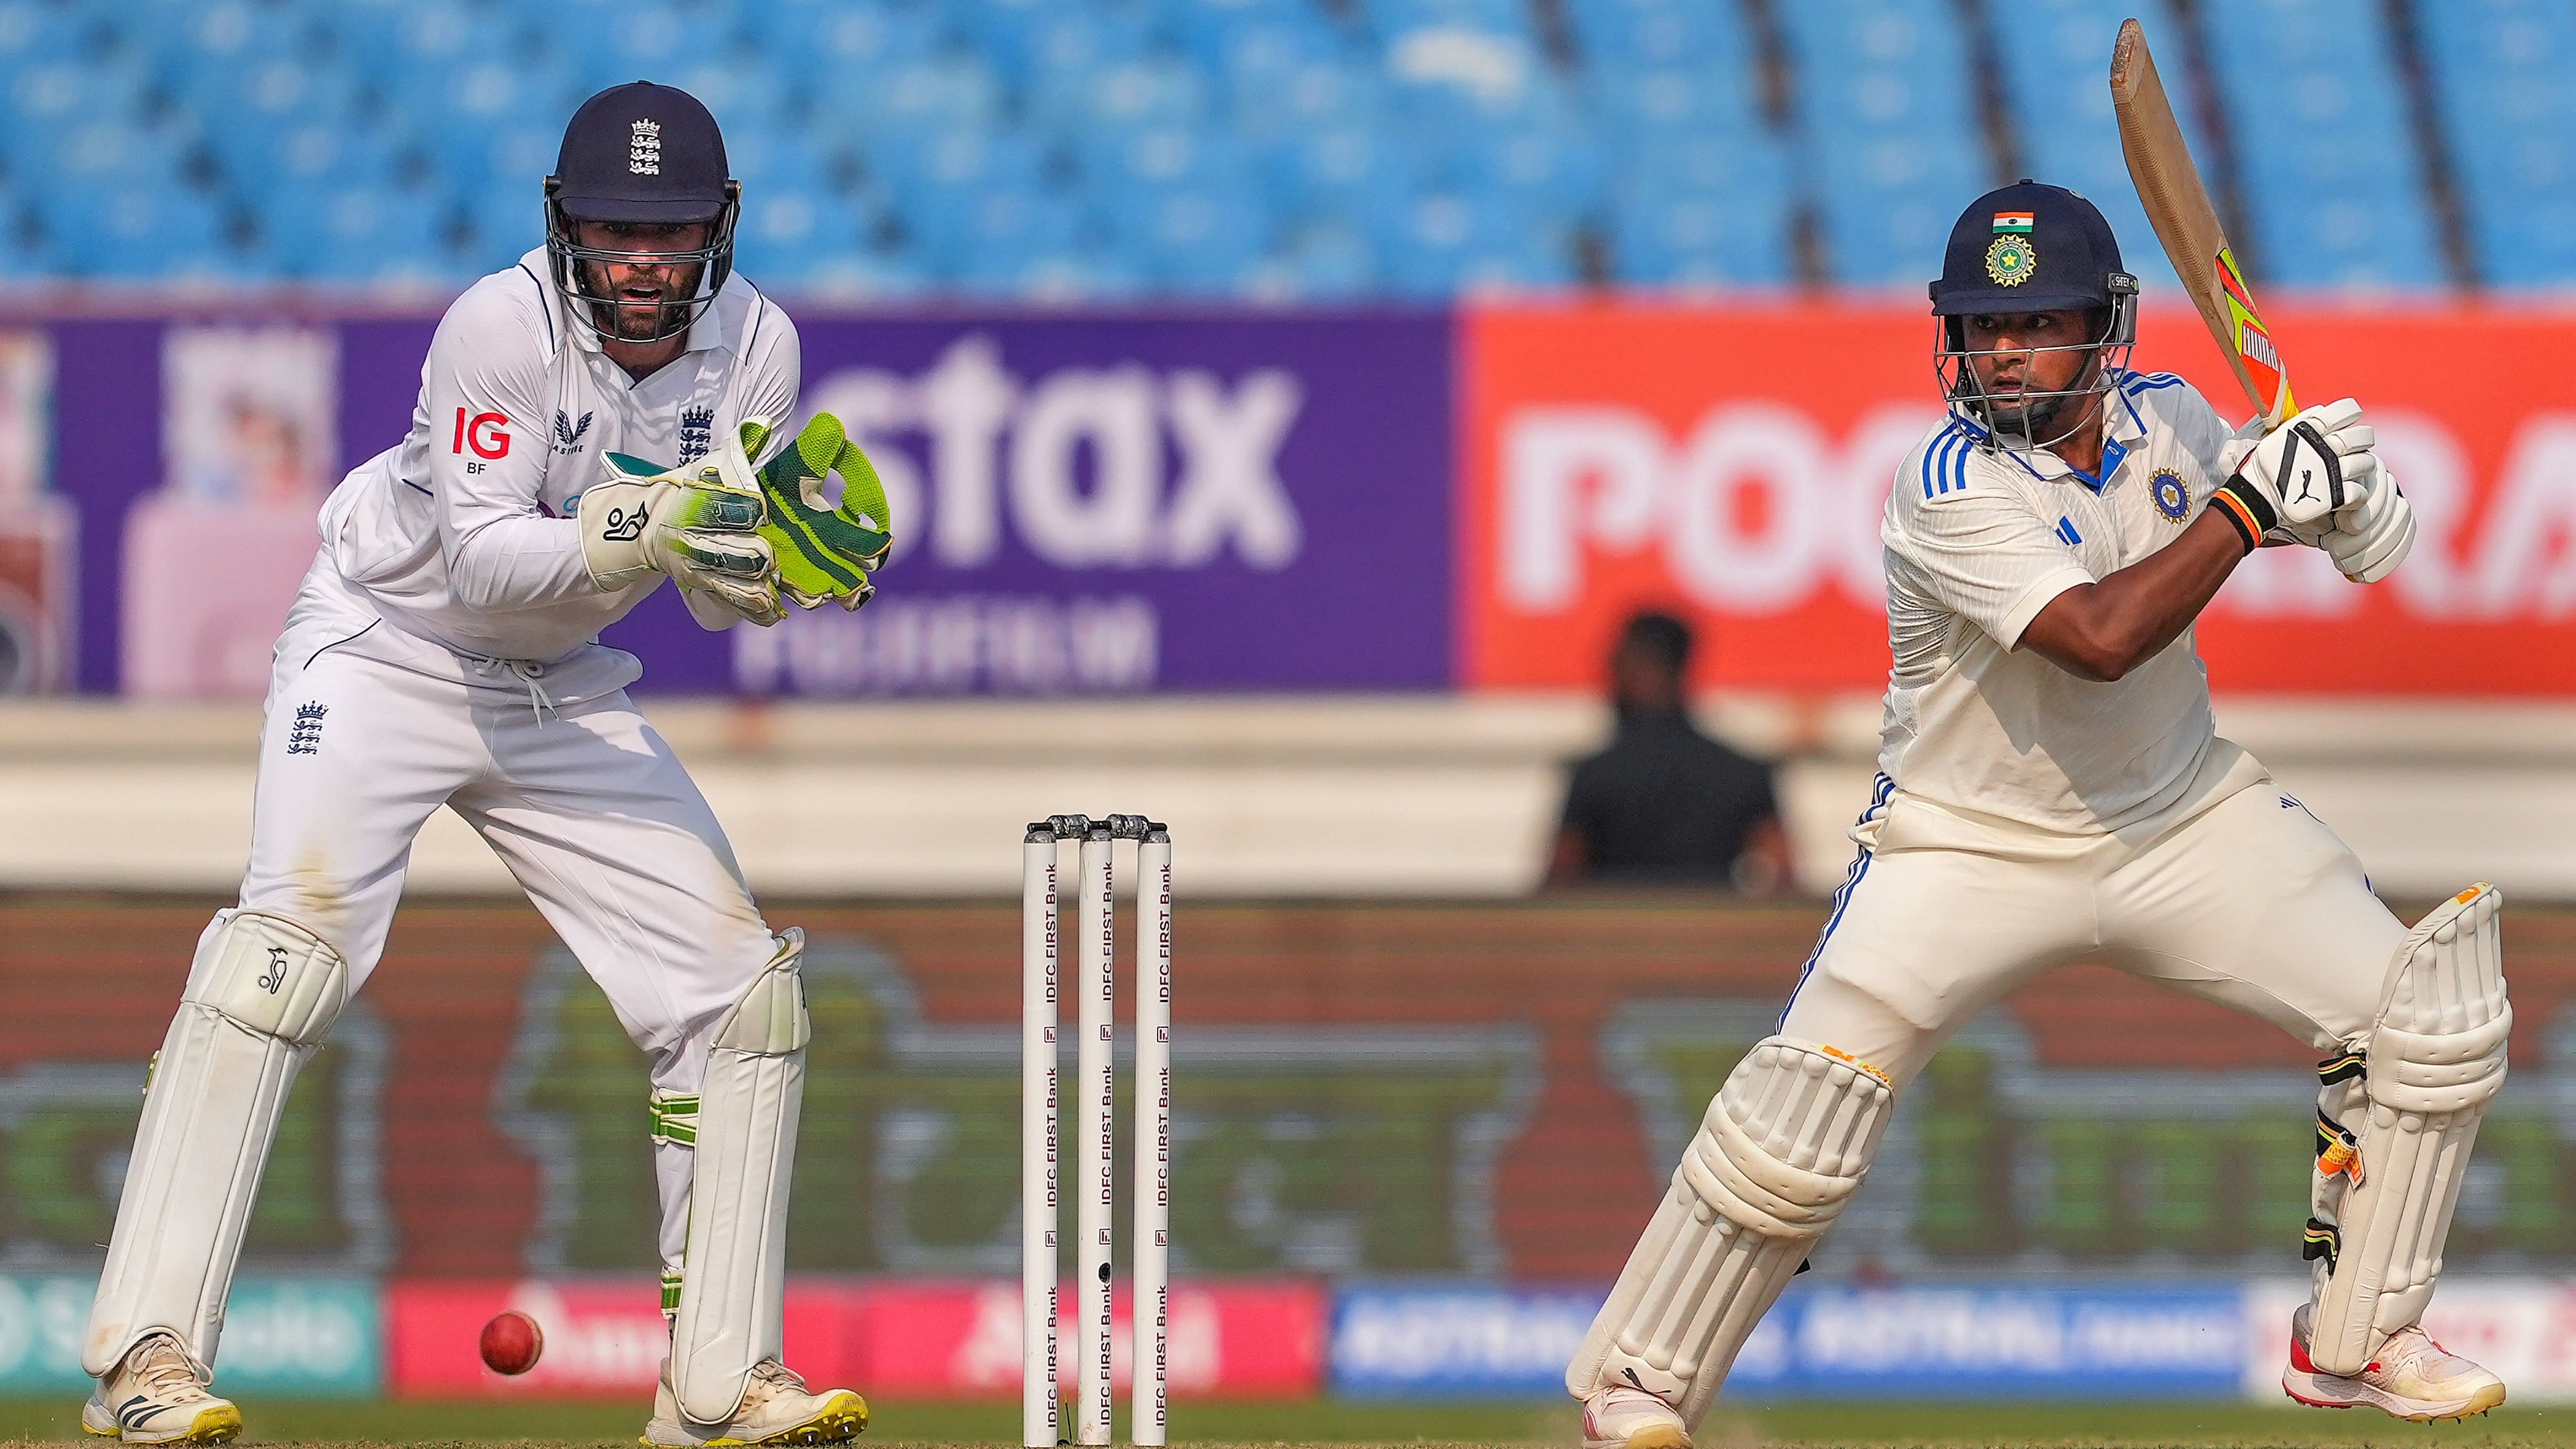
(698, 523)
(823, 552)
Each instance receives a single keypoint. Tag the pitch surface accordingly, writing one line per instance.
(1222, 1426)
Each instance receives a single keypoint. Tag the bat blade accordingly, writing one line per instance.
(2177, 205)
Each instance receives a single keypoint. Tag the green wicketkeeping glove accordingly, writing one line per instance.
(823, 552)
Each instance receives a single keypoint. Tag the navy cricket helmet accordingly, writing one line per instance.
(2027, 248)
(648, 155)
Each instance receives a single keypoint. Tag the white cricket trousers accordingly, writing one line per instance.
(2234, 894)
(583, 802)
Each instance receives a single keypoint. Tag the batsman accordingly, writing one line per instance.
(2051, 788)
(593, 420)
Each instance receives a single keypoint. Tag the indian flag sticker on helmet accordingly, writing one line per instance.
(2020, 221)
(2011, 260)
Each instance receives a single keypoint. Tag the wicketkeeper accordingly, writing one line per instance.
(2051, 788)
(591, 421)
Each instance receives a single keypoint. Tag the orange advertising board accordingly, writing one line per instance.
(1731, 462)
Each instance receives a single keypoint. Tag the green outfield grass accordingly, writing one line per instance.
(896, 1425)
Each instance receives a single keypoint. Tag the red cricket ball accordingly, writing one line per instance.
(511, 1343)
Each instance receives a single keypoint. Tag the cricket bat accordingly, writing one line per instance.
(2178, 207)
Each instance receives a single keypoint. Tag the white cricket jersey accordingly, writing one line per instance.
(1979, 538)
(463, 535)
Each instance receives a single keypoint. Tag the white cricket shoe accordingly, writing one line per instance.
(776, 1409)
(2413, 1378)
(155, 1395)
(1626, 1418)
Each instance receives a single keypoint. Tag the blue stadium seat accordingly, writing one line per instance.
(987, 238)
(1444, 241)
(1053, 46)
(1639, 106)
(1883, 97)
(861, 275)
(134, 227)
(1253, 65)
(905, 167)
(361, 234)
(1230, 37)
(773, 159)
(260, 104)
(643, 40)
(1356, 170)
(1392, 18)
(1199, 239)
(1320, 259)
(322, 152)
(826, 47)
(1560, 163)
(33, 32)
(49, 101)
(2327, 162)
(2056, 56)
(229, 35)
(1618, 36)
(785, 235)
(1703, 213)
(1290, 100)
(2501, 73)
(503, 222)
(417, 54)
(111, 151)
(1157, 88)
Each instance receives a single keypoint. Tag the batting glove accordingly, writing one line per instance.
(2298, 473)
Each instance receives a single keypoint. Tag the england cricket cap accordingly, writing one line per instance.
(2029, 248)
(641, 152)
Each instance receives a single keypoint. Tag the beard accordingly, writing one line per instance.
(636, 320)
(2044, 416)
(2030, 417)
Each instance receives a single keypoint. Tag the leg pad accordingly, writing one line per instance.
(1781, 1151)
(260, 995)
(733, 1288)
(2432, 1063)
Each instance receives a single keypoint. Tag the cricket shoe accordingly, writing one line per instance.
(155, 1395)
(2413, 1378)
(776, 1409)
(1626, 1418)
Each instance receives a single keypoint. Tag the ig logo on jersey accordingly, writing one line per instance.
(487, 434)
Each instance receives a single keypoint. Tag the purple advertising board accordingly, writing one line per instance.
(1085, 502)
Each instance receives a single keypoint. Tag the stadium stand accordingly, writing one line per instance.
(2311, 88)
(2067, 135)
(2500, 68)
(1274, 149)
(1893, 146)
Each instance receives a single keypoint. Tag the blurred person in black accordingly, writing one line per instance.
(1663, 803)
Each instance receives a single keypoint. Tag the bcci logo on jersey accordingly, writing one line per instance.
(2173, 496)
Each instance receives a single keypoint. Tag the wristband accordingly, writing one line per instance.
(2246, 510)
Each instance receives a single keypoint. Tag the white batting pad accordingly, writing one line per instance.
(733, 1286)
(1780, 1152)
(2434, 1061)
(260, 994)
